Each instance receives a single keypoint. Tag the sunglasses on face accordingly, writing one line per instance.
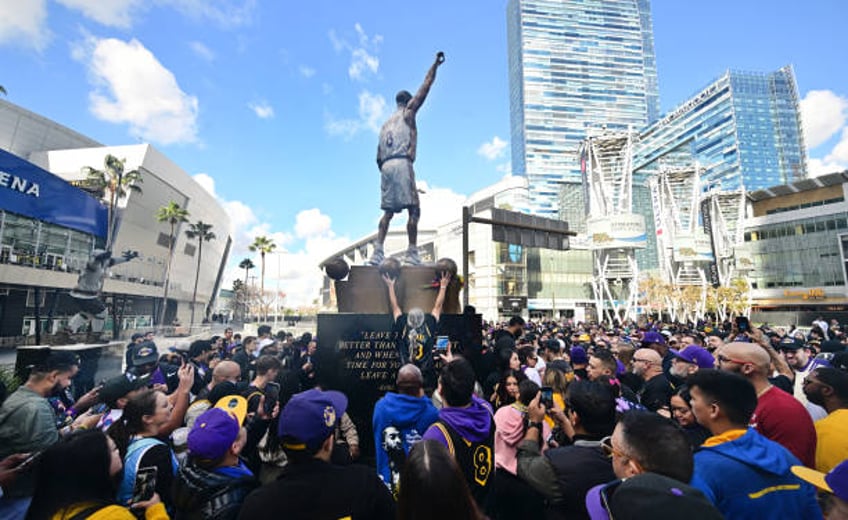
(609, 450)
(724, 359)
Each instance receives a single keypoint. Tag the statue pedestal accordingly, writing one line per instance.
(358, 346)
(365, 292)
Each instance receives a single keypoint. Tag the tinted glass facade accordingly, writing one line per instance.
(744, 130)
(574, 66)
(798, 253)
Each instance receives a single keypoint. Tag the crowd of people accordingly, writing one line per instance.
(550, 419)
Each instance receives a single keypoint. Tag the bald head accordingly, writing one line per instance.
(738, 357)
(409, 380)
(749, 352)
(226, 371)
(647, 363)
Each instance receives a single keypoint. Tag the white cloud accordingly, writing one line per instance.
(131, 86)
(816, 167)
(24, 23)
(372, 111)
(306, 72)
(493, 149)
(362, 62)
(823, 113)
(202, 51)
(840, 151)
(311, 223)
(293, 269)
(206, 182)
(113, 13)
(363, 54)
(262, 109)
(439, 206)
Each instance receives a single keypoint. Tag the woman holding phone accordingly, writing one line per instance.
(76, 478)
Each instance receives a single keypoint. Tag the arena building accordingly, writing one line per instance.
(49, 227)
(796, 236)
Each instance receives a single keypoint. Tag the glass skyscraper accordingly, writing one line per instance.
(574, 66)
(743, 129)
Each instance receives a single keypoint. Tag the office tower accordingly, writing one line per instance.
(744, 129)
(574, 66)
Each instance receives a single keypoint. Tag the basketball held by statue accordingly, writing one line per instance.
(337, 268)
(446, 265)
(390, 267)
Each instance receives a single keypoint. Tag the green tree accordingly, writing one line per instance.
(113, 184)
(2, 90)
(173, 214)
(264, 245)
(202, 232)
(246, 264)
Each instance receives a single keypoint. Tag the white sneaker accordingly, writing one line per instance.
(377, 257)
(412, 257)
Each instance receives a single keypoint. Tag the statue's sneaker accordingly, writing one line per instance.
(411, 257)
(377, 257)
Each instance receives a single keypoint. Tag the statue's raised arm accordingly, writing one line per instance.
(418, 100)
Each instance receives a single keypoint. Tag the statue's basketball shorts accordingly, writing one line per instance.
(397, 185)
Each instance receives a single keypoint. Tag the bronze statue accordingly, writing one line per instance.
(86, 294)
(395, 155)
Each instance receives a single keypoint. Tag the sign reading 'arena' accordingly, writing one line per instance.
(26, 189)
(13, 182)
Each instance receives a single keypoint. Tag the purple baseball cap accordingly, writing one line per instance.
(835, 481)
(214, 431)
(309, 418)
(578, 356)
(696, 355)
(653, 337)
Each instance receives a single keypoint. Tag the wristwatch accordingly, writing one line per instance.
(535, 425)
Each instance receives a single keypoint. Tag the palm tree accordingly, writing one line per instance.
(173, 214)
(264, 245)
(246, 264)
(203, 233)
(2, 90)
(112, 183)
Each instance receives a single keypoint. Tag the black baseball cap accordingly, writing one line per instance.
(118, 387)
(649, 495)
(790, 343)
(144, 353)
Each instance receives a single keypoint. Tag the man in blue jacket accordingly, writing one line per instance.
(400, 419)
(743, 473)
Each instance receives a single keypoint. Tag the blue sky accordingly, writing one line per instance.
(275, 104)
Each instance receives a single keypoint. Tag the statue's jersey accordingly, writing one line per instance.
(395, 154)
(90, 281)
(395, 138)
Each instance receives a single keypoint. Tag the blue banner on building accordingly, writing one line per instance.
(28, 190)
